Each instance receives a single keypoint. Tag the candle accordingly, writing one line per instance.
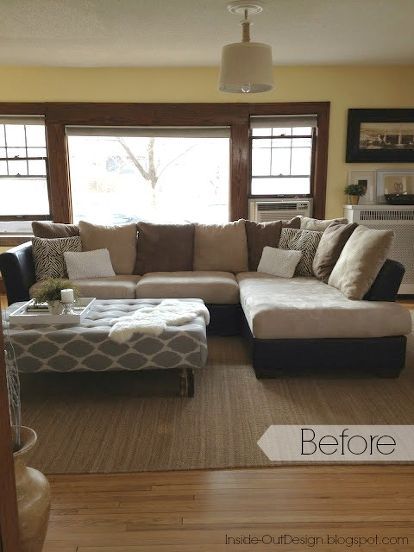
(67, 296)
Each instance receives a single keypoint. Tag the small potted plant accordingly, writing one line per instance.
(354, 192)
(50, 292)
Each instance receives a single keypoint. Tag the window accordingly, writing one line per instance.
(282, 152)
(23, 174)
(156, 174)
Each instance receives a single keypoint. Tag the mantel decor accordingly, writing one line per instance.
(380, 136)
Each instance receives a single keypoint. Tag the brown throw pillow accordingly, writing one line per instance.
(164, 247)
(121, 242)
(265, 234)
(52, 230)
(330, 247)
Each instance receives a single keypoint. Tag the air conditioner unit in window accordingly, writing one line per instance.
(266, 210)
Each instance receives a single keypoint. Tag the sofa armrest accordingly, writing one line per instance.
(17, 269)
(387, 283)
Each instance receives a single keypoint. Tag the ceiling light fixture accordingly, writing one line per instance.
(246, 67)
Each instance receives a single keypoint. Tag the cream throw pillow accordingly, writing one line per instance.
(279, 262)
(121, 242)
(221, 247)
(308, 223)
(89, 264)
(360, 261)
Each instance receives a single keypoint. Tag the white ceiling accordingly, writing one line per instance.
(192, 32)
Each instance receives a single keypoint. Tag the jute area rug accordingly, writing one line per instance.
(100, 423)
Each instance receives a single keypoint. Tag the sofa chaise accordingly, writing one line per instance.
(292, 324)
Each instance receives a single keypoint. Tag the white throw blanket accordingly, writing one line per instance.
(153, 319)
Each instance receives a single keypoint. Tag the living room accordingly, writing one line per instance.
(226, 288)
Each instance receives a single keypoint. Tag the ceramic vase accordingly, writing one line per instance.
(353, 200)
(33, 496)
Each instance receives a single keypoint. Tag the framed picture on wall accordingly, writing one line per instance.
(380, 136)
(368, 180)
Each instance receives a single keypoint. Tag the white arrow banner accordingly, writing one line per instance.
(334, 443)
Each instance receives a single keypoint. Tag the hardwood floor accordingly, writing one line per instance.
(197, 511)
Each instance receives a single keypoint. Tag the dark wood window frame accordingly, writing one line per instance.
(235, 115)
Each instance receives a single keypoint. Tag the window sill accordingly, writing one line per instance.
(11, 240)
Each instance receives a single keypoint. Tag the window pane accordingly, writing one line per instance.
(36, 135)
(37, 167)
(280, 186)
(3, 168)
(15, 135)
(261, 132)
(36, 152)
(301, 131)
(16, 227)
(281, 161)
(17, 167)
(16, 152)
(282, 131)
(2, 140)
(2, 152)
(301, 161)
(160, 179)
(261, 160)
(25, 196)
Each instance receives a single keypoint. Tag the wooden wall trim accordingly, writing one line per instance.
(239, 171)
(8, 502)
(59, 180)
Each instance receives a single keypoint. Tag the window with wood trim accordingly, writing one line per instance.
(282, 151)
(23, 173)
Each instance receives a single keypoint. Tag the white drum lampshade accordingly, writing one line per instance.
(246, 67)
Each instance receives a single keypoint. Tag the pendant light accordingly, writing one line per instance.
(246, 67)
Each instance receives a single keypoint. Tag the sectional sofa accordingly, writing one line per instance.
(292, 325)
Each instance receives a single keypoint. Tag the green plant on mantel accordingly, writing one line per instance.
(355, 189)
(50, 290)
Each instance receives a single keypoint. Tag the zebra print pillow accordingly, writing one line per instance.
(48, 256)
(307, 242)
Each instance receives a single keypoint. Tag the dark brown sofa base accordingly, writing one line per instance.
(382, 357)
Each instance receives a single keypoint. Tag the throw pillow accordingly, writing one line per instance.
(221, 247)
(261, 234)
(308, 223)
(164, 247)
(330, 247)
(89, 264)
(48, 256)
(121, 242)
(279, 262)
(54, 230)
(360, 261)
(307, 242)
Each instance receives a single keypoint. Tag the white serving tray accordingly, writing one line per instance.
(21, 317)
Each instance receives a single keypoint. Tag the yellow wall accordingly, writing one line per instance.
(343, 86)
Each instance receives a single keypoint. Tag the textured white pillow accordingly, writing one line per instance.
(89, 264)
(279, 262)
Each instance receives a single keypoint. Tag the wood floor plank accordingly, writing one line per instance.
(183, 511)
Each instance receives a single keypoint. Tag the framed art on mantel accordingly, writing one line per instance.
(380, 136)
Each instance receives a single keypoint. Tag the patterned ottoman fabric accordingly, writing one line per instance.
(87, 347)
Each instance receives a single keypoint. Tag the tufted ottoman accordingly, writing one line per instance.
(87, 347)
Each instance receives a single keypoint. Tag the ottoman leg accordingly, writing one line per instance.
(187, 382)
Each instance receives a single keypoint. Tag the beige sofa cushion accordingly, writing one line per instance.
(308, 223)
(221, 247)
(306, 308)
(116, 287)
(212, 287)
(119, 240)
(360, 261)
